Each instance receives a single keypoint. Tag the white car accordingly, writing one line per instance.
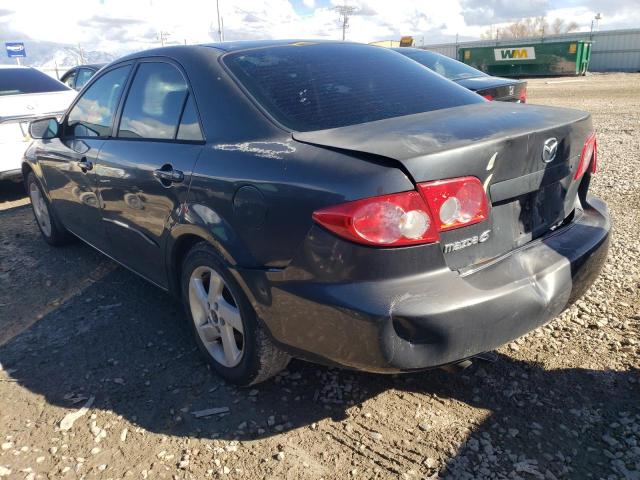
(25, 94)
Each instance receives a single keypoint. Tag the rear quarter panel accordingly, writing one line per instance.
(256, 198)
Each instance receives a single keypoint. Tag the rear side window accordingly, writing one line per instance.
(154, 103)
(16, 81)
(189, 126)
(319, 86)
(445, 66)
(92, 115)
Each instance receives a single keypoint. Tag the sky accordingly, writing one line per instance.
(119, 26)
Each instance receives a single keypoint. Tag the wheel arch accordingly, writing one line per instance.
(182, 239)
(28, 167)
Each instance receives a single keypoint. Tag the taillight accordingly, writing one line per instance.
(388, 220)
(523, 95)
(488, 97)
(588, 157)
(408, 218)
(456, 202)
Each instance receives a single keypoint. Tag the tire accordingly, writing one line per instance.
(210, 293)
(50, 227)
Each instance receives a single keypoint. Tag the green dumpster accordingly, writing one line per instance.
(546, 58)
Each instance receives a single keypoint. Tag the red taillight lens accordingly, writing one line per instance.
(408, 218)
(589, 156)
(488, 97)
(388, 220)
(457, 202)
(523, 95)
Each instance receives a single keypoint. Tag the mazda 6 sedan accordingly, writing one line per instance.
(330, 201)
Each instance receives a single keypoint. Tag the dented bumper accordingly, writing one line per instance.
(428, 317)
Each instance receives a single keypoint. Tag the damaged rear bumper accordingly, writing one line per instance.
(435, 317)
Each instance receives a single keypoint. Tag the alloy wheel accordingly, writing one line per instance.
(216, 316)
(40, 209)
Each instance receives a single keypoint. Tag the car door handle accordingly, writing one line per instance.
(169, 176)
(84, 165)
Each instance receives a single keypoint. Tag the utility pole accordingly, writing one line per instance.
(595, 19)
(162, 36)
(219, 22)
(81, 54)
(345, 12)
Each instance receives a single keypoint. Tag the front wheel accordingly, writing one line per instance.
(224, 323)
(52, 231)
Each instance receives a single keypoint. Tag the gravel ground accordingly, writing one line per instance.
(100, 378)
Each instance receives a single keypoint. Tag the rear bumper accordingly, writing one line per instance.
(437, 317)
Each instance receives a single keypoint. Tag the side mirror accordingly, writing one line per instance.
(44, 128)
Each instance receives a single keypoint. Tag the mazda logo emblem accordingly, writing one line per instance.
(549, 150)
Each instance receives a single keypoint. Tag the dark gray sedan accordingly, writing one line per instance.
(330, 201)
(491, 88)
(77, 77)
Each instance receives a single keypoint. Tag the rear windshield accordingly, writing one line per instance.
(445, 66)
(16, 81)
(319, 86)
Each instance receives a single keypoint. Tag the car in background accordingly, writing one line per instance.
(25, 94)
(312, 205)
(491, 88)
(77, 77)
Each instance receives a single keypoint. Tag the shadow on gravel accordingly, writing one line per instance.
(123, 341)
(11, 191)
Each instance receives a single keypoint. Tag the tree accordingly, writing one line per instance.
(558, 26)
(529, 27)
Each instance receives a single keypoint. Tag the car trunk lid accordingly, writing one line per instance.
(496, 88)
(502, 145)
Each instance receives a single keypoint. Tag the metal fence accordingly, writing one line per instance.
(612, 51)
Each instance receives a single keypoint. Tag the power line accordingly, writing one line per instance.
(345, 12)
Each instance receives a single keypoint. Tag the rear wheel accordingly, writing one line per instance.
(224, 323)
(52, 231)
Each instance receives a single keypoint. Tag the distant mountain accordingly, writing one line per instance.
(47, 55)
(70, 56)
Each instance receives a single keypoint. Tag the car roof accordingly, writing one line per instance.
(177, 50)
(97, 66)
(248, 44)
(414, 49)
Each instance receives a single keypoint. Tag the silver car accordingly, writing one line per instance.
(25, 94)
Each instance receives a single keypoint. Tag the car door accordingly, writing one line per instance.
(145, 170)
(69, 163)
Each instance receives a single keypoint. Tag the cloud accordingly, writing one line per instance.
(100, 21)
(122, 26)
(490, 12)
